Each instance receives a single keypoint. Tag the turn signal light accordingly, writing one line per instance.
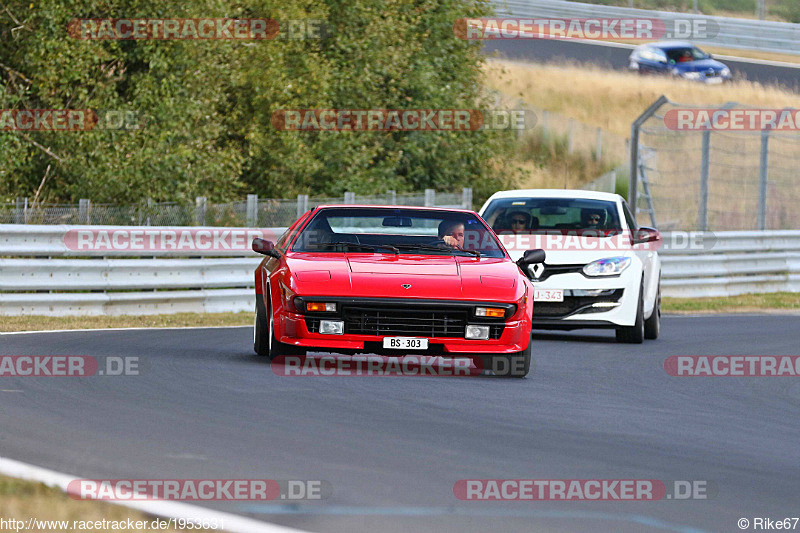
(320, 306)
(491, 312)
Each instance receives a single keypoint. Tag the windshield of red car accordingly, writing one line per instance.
(397, 231)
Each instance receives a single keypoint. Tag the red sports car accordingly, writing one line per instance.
(393, 281)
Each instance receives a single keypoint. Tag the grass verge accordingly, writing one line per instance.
(32, 323)
(22, 500)
(746, 303)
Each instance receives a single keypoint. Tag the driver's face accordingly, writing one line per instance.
(592, 220)
(457, 233)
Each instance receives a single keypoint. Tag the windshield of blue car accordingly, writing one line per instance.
(681, 55)
(397, 231)
(598, 218)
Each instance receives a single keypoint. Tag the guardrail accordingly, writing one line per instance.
(745, 34)
(41, 275)
(733, 262)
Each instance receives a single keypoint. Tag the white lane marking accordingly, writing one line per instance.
(9, 390)
(164, 509)
(119, 329)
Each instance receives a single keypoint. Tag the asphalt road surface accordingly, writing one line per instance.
(392, 448)
(545, 50)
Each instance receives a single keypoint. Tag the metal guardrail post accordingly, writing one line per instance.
(150, 205)
(200, 210)
(466, 197)
(392, 196)
(349, 197)
(19, 210)
(302, 204)
(84, 211)
(702, 210)
(637, 124)
(762, 180)
(252, 210)
(430, 197)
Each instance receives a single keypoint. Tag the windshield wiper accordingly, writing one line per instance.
(362, 246)
(436, 248)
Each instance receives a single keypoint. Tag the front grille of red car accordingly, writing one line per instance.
(406, 321)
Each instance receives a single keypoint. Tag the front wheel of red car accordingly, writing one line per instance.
(264, 341)
(514, 365)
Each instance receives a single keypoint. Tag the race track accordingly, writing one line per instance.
(616, 57)
(392, 448)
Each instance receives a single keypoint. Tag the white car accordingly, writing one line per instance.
(601, 269)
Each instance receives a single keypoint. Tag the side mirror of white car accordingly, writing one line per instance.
(645, 234)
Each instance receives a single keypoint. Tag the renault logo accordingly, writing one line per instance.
(406, 285)
(537, 270)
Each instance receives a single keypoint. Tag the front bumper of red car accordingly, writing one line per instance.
(368, 321)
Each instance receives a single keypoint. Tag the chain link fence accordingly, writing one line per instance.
(254, 212)
(712, 175)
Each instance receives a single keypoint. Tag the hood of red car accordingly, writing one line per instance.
(404, 276)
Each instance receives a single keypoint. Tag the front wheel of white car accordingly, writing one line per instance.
(634, 334)
(652, 326)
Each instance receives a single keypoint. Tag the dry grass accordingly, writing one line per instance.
(612, 100)
(22, 500)
(33, 323)
(746, 303)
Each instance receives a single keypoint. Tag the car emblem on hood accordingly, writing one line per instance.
(538, 270)
(406, 285)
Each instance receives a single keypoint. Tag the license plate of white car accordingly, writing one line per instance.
(405, 343)
(548, 295)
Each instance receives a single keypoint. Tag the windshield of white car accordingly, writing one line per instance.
(397, 230)
(599, 218)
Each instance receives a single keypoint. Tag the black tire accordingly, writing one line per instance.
(652, 326)
(260, 339)
(264, 341)
(514, 365)
(634, 334)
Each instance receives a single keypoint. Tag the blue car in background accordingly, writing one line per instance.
(679, 59)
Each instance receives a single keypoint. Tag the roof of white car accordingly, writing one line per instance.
(557, 193)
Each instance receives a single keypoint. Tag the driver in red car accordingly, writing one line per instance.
(452, 233)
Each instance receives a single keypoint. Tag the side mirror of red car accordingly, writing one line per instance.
(264, 247)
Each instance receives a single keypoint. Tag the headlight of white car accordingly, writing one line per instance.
(609, 266)
(691, 75)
